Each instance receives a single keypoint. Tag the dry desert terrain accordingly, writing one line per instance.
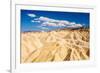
(55, 45)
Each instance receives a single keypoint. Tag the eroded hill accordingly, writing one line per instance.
(58, 45)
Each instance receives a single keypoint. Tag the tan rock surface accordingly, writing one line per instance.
(58, 45)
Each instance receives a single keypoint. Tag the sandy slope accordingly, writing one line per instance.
(58, 45)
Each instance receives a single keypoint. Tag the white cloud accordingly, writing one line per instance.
(46, 19)
(57, 23)
(72, 23)
(75, 26)
(48, 24)
(52, 24)
(35, 21)
(44, 28)
(31, 15)
(64, 22)
(41, 27)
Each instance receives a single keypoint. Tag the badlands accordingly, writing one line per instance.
(55, 45)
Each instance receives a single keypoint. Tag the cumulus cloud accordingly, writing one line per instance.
(31, 15)
(42, 27)
(75, 26)
(35, 21)
(52, 24)
(56, 23)
(46, 19)
(72, 23)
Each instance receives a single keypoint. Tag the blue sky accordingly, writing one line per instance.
(33, 20)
